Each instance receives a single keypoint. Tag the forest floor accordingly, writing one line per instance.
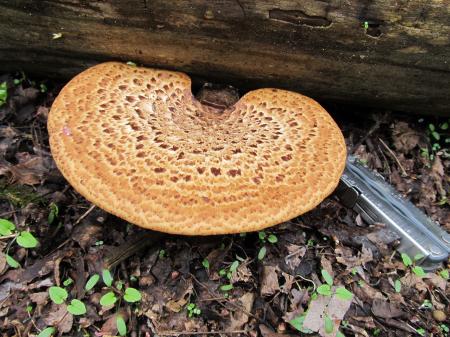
(323, 271)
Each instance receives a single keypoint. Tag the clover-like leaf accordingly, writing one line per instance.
(47, 332)
(76, 307)
(57, 294)
(398, 286)
(406, 260)
(121, 325)
(108, 299)
(344, 294)
(11, 262)
(234, 266)
(324, 289)
(92, 282)
(262, 253)
(6, 227)
(272, 238)
(132, 295)
(107, 277)
(27, 240)
(418, 271)
(329, 326)
(327, 277)
(297, 323)
(226, 287)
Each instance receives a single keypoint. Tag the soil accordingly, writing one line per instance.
(253, 284)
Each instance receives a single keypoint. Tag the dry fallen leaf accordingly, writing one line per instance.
(59, 316)
(239, 317)
(269, 281)
(385, 309)
(295, 256)
(332, 307)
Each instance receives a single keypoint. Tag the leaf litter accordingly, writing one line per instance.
(275, 296)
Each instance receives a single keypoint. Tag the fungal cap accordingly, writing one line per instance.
(135, 142)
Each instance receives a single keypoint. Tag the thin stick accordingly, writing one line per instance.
(7, 236)
(394, 157)
(85, 214)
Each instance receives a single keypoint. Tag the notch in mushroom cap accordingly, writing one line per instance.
(135, 142)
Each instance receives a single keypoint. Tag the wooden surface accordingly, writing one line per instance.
(401, 61)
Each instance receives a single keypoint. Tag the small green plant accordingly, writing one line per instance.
(445, 329)
(328, 323)
(326, 290)
(23, 238)
(53, 214)
(376, 332)
(298, 322)
(439, 138)
(444, 274)
(205, 263)
(426, 305)
(47, 332)
(397, 286)
(263, 237)
(421, 331)
(228, 273)
(59, 295)
(121, 325)
(162, 253)
(3, 93)
(408, 262)
(193, 310)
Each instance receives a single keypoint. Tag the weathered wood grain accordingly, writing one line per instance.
(400, 60)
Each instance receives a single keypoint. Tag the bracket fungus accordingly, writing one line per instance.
(137, 143)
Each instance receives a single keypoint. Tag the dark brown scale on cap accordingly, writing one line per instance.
(143, 148)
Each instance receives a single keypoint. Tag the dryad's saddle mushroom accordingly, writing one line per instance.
(135, 142)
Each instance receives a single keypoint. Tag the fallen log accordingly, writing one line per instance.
(389, 54)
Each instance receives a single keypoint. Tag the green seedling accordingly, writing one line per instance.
(53, 214)
(47, 332)
(3, 93)
(59, 295)
(121, 325)
(397, 286)
(408, 262)
(205, 263)
(92, 282)
(193, 310)
(426, 305)
(162, 253)
(263, 237)
(24, 239)
(326, 289)
(67, 282)
(421, 331)
(298, 322)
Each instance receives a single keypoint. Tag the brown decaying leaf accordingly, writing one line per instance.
(295, 256)
(385, 309)
(405, 139)
(239, 317)
(333, 307)
(269, 281)
(59, 317)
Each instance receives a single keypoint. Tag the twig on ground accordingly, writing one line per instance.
(394, 157)
(85, 214)
(374, 128)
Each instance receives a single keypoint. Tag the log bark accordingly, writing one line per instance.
(392, 54)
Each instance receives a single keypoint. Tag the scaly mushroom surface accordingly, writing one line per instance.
(135, 142)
